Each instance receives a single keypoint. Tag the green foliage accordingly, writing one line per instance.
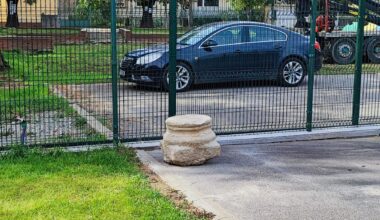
(16, 152)
(244, 5)
(251, 10)
(97, 11)
(182, 3)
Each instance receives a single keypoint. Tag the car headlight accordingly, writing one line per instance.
(148, 58)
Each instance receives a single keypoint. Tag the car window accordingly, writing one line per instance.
(259, 34)
(194, 36)
(228, 36)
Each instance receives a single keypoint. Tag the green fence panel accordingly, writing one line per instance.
(311, 65)
(247, 64)
(358, 64)
(114, 61)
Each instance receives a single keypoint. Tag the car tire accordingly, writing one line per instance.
(292, 72)
(184, 82)
(343, 51)
(373, 50)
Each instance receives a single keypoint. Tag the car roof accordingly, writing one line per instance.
(223, 24)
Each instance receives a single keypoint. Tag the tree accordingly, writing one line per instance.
(12, 18)
(248, 6)
(3, 64)
(147, 16)
(97, 11)
(147, 8)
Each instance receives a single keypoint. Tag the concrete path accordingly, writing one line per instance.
(329, 179)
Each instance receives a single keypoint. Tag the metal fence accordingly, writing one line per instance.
(82, 72)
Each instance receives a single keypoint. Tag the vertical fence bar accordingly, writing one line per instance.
(115, 112)
(358, 64)
(310, 86)
(172, 56)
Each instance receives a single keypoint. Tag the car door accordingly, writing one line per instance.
(263, 51)
(220, 61)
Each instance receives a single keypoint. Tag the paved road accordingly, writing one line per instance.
(234, 107)
(329, 179)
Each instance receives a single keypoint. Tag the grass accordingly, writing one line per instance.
(156, 30)
(24, 99)
(62, 31)
(103, 184)
(67, 64)
(37, 31)
(333, 69)
(24, 88)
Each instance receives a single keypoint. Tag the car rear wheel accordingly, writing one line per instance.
(373, 50)
(292, 72)
(184, 78)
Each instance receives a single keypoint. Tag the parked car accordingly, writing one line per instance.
(225, 52)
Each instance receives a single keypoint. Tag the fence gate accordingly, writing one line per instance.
(80, 72)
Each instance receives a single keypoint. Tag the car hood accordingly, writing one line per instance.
(161, 48)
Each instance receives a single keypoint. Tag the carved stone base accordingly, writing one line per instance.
(189, 140)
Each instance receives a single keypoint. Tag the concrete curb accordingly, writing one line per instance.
(192, 195)
(91, 121)
(278, 137)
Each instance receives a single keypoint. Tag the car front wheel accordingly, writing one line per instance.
(292, 72)
(184, 78)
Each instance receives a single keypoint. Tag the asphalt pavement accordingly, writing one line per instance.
(325, 179)
(234, 107)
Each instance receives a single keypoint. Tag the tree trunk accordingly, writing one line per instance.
(147, 16)
(3, 64)
(191, 14)
(12, 18)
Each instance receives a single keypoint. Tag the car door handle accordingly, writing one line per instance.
(238, 51)
(277, 46)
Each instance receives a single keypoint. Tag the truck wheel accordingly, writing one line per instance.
(343, 51)
(373, 50)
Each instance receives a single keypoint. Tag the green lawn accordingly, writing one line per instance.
(67, 64)
(24, 99)
(156, 30)
(24, 88)
(27, 99)
(103, 184)
(37, 31)
(333, 69)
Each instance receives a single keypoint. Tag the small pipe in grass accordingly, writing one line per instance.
(23, 125)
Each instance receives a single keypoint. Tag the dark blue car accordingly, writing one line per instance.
(225, 52)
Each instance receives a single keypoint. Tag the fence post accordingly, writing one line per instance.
(358, 64)
(115, 112)
(311, 64)
(172, 57)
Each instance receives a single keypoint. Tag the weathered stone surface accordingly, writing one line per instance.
(189, 140)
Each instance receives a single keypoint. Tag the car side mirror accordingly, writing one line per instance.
(209, 43)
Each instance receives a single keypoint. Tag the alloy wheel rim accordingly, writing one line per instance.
(345, 50)
(182, 77)
(293, 72)
(376, 50)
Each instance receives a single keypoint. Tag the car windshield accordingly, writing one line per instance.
(194, 36)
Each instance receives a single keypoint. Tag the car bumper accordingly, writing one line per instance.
(142, 75)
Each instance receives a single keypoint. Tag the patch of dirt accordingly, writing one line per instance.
(174, 195)
(6, 82)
